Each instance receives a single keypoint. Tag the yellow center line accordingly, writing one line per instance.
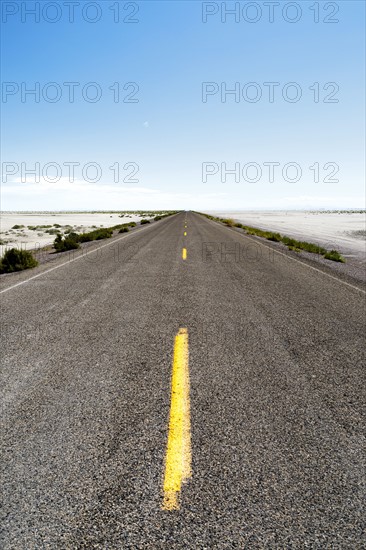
(184, 253)
(178, 453)
(185, 233)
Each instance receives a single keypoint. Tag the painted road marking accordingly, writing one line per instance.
(185, 233)
(178, 453)
(184, 253)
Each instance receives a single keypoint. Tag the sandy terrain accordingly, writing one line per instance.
(345, 232)
(30, 239)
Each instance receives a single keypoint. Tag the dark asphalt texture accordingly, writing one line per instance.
(277, 397)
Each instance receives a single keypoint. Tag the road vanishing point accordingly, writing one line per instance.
(182, 386)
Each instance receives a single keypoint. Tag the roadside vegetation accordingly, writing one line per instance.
(72, 240)
(69, 242)
(292, 244)
(17, 260)
(335, 256)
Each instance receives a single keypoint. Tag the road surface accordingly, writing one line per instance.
(276, 387)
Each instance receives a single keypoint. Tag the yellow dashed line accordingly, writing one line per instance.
(185, 233)
(184, 253)
(178, 454)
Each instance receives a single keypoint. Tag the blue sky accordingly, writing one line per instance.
(169, 132)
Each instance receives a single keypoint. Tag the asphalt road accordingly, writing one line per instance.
(277, 397)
